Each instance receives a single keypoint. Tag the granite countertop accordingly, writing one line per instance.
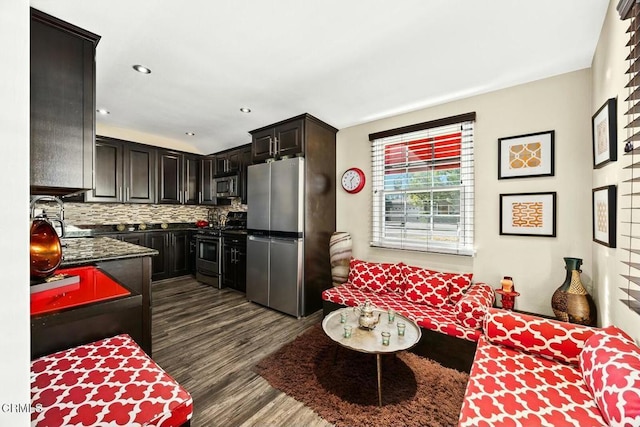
(80, 251)
(72, 231)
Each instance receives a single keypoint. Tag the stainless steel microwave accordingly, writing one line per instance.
(227, 186)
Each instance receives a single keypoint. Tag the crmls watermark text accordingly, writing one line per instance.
(18, 408)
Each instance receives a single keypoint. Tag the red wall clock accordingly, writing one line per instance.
(353, 180)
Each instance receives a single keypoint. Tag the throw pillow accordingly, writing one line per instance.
(395, 277)
(610, 364)
(423, 286)
(368, 276)
(471, 308)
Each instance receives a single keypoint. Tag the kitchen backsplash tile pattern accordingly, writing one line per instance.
(120, 213)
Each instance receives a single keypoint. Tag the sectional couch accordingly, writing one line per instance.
(449, 307)
(530, 371)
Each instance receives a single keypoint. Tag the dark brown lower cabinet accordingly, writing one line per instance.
(173, 257)
(234, 263)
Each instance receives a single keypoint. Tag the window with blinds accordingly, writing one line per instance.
(422, 177)
(630, 10)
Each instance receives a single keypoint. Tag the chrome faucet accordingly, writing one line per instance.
(58, 218)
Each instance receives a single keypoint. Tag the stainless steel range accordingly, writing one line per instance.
(209, 247)
(209, 256)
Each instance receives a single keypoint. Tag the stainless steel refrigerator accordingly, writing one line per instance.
(275, 242)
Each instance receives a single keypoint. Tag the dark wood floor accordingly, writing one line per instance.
(210, 339)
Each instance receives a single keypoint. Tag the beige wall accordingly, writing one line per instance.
(609, 79)
(561, 103)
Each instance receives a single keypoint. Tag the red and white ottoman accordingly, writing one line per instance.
(111, 382)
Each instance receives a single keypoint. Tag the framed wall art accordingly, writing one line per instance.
(526, 155)
(604, 215)
(528, 214)
(604, 134)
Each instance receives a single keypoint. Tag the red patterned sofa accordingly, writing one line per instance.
(108, 382)
(447, 306)
(530, 371)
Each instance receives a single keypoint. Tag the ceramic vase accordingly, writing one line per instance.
(340, 254)
(571, 302)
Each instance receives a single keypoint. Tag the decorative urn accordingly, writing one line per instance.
(367, 319)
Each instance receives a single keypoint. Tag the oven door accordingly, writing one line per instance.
(208, 259)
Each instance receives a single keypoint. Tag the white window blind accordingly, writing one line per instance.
(423, 186)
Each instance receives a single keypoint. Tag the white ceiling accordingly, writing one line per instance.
(344, 61)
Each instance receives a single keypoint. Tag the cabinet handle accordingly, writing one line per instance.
(119, 195)
(128, 195)
(271, 146)
(186, 195)
(276, 149)
(199, 196)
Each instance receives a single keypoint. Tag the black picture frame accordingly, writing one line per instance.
(515, 160)
(604, 134)
(603, 219)
(542, 206)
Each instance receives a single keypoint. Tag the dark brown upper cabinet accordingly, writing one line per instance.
(228, 162)
(207, 172)
(179, 177)
(170, 177)
(283, 139)
(191, 190)
(62, 105)
(124, 172)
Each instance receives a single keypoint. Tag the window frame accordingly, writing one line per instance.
(379, 231)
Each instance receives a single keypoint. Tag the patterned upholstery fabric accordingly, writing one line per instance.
(422, 288)
(610, 363)
(439, 319)
(109, 382)
(509, 387)
(458, 284)
(470, 310)
(370, 276)
(547, 338)
(395, 277)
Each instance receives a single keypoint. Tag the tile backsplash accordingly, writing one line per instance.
(120, 213)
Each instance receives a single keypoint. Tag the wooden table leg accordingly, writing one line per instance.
(379, 380)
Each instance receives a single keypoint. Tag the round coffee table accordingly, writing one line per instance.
(366, 341)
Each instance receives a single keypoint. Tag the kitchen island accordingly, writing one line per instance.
(130, 266)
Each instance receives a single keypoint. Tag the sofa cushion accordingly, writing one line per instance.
(508, 387)
(423, 286)
(368, 276)
(395, 277)
(470, 310)
(610, 364)
(439, 319)
(108, 382)
(548, 338)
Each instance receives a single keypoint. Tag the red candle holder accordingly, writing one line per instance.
(508, 298)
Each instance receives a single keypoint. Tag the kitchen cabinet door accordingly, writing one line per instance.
(245, 162)
(62, 105)
(290, 138)
(262, 145)
(139, 173)
(191, 180)
(207, 172)
(108, 172)
(179, 253)
(159, 263)
(170, 177)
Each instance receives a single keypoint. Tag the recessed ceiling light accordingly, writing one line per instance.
(103, 111)
(190, 133)
(142, 69)
(245, 110)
